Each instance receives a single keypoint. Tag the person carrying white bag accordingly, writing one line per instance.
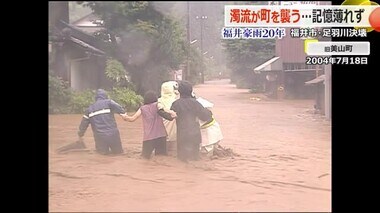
(211, 132)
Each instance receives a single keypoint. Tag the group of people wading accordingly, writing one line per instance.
(174, 121)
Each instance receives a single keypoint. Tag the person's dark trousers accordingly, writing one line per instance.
(158, 145)
(194, 151)
(188, 149)
(181, 154)
(108, 144)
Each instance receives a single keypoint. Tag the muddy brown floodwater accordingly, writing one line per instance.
(284, 163)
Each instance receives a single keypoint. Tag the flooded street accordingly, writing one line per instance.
(284, 163)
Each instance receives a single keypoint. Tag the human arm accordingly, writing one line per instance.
(203, 113)
(170, 115)
(116, 108)
(83, 125)
(133, 117)
(174, 107)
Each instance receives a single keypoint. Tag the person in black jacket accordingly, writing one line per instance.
(188, 110)
(101, 117)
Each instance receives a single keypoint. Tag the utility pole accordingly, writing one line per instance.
(202, 68)
(202, 18)
(187, 75)
(328, 91)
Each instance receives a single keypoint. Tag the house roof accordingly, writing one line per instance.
(83, 39)
(316, 80)
(87, 46)
(272, 64)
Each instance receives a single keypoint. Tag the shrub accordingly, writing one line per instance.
(115, 72)
(127, 98)
(59, 95)
(80, 101)
(63, 100)
(257, 89)
(242, 82)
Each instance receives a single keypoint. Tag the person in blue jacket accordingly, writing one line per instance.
(101, 117)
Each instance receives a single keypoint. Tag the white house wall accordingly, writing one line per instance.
(84, 75)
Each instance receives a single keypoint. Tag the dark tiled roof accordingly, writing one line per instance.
(83, 39)
(87, 46)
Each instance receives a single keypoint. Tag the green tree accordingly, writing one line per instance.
(244, 55)
(77, 11)
(115, 72)
(196, 65)
(123, 91)
(148, 43)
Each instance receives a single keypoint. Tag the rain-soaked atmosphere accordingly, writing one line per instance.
(150, 110)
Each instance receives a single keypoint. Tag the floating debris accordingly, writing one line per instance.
(220, 152)
(72, 146)
(320, 176)
(255, 99)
